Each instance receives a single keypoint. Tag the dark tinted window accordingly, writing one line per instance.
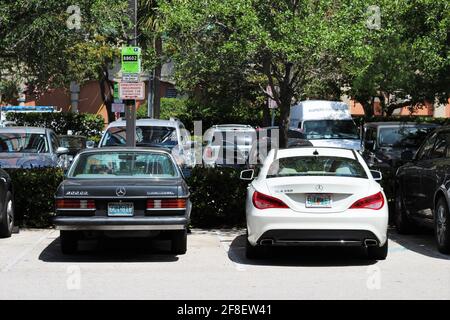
(145, 136)
(426, 147)
(402, 136)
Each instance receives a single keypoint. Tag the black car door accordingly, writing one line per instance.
(430, 175)
(434, 170)
(412, 178)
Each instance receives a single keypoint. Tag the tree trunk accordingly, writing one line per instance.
(266, 114)
(157, 80)
(106, 89)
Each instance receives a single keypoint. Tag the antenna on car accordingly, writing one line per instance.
(316, 153)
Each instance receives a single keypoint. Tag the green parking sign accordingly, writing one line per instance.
(131, 60)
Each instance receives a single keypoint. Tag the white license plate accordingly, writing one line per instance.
(120, 209)
(318, 200)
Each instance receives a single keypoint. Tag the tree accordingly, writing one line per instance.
(51, 42)
(295, 45)
(406, 61)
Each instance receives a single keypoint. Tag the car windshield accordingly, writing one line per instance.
(72, 142)
(316, 166)
(405, 137)
(123, 164)
(145, 136)
(330, 129)
(239, 138)
(23, 142)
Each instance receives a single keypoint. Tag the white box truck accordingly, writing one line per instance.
(326, 123)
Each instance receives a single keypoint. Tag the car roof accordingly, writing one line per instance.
(400, 123)
(24, 129)
(146, 122)
(126, 149)
(310, 151)
(233, 126)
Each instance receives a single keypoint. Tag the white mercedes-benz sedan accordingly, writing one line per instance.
(315, 196)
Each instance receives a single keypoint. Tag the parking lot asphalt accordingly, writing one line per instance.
(215, 267)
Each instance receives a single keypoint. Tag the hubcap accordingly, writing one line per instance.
(10, 214)
(441, 221)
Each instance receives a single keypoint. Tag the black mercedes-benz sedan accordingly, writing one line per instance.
(121, 190)
(423, 189)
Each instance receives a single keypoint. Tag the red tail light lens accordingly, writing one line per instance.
(208, 153)
(75, 204)
(166, 203)
(263, 201)
(374, 202)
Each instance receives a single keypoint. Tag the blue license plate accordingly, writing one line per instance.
(122, 209)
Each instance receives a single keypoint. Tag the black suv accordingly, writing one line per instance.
(423, 188)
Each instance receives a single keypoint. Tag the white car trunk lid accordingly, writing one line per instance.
(293, 191)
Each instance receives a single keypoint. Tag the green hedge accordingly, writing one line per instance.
(34, 191)
(86, 124)
(218, 197)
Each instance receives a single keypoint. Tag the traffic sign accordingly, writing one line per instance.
(130, 77)
(131, 60)
(132, 90)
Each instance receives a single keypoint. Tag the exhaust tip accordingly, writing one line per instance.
(266, 242)
(370, 242)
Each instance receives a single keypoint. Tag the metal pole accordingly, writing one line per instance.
(130, 105)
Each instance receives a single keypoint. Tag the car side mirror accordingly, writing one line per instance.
(62, 150)
(369, 144)
(377, 176)
(247, 174)
(407, 155)
(90, 144)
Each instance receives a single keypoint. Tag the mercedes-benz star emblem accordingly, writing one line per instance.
(319, 187)
(120, 191)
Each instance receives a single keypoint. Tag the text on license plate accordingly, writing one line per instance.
(120, 209)
(318, 200)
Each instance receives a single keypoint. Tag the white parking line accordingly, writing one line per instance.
(225, 245)
(25, 252)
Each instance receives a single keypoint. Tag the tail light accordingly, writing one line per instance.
(208, 153)
(263, 201)
(75, 204)
(166, 203)
(374, 202)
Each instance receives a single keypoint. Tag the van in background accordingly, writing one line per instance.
(326, 123)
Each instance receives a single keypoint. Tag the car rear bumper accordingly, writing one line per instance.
(120, 223)
(287, 227)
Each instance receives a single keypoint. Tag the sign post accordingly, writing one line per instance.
(130, 89)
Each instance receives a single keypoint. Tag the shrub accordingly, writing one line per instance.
(34, 191)
(86, 124)
(218, 197)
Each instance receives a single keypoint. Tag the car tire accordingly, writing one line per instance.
(378, 253)
(7, 223)
(69, 241)
(402, 222)
(179, 242)
(442, 226)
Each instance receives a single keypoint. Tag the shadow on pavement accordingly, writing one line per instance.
(302, 256)
(112, 250)
(423, 242)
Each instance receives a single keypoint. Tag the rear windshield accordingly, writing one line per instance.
(151, 136)
(23, 142)
(117, 164)
(234, 137)
(316, 166)
(400, 137)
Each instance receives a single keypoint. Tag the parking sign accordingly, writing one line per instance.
(131, 60)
